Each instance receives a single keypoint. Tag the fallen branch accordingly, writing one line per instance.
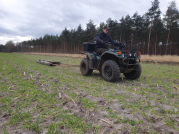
(176, 87)
(165, 96)
(15, 98)
(10, 87)
(71, 99)
(60, 95)
(44, 83)
(109, 123)
(67, 96)
(111, 132)
(118, 86)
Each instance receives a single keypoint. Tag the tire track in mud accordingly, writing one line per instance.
(138, 96)
(123, 83)
(81, 112)
(4, 113)
(126, 113)
(152, 118)
(140, 85)
(71, 106)
(91, 117)
(69, 76)
(114, 106)
(4, 117)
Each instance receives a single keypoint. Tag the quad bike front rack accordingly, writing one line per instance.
(127, 64)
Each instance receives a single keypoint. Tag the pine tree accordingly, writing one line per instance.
(100, 28)
(153, 15)
(158, 29)
(90, 31)
(171, 18)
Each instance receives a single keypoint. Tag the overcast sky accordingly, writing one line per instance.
(26, 19)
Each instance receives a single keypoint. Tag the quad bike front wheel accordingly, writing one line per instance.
(84, 67)
(135, 73)
(110, 71)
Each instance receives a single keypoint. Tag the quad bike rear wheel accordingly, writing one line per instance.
(110, 71)
(84, 67)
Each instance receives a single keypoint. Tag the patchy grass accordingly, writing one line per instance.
(35, 98)
(145, 58)
(159, 58)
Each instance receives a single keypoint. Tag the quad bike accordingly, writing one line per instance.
(111, 63)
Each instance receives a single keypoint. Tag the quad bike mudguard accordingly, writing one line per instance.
(125, 63)
(93, 60)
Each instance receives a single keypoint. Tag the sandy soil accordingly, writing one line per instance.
(144, 58)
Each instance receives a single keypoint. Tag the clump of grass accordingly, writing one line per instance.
(32, 125)
(87, 103)
(17, 117)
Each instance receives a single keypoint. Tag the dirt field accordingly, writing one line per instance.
(144, 58)
(36, 98)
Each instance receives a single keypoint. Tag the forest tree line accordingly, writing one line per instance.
(156, 34)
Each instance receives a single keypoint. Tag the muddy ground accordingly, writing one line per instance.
(147, 105)
(165, 59)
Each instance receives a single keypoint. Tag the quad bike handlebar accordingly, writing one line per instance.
(117, 46)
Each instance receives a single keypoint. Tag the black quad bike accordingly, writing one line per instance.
(111, 63)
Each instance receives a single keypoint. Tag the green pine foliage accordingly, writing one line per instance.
(155, 34)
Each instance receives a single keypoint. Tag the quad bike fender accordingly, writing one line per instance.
(108, 56)
(92, 60)
(119, 59)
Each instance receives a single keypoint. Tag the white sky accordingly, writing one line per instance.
(25, 19)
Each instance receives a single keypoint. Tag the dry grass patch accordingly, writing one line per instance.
(57, 54)
(155, 58)
(159, 58)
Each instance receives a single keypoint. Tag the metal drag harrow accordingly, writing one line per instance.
(55, 63)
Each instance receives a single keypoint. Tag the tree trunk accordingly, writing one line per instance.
(156, 44)
(149, 39)
(167, 41)
(171, 46)
(143, 47)
(131, 41)
(64, 47)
